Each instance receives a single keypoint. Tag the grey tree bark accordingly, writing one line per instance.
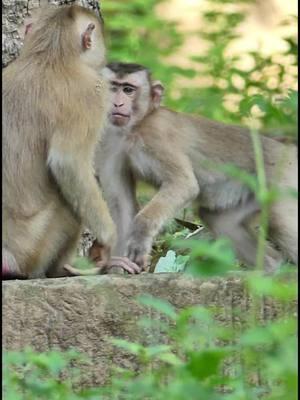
(14, 16)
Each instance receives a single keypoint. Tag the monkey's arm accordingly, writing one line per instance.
(78, 186)
(120, 193)
(179, 187)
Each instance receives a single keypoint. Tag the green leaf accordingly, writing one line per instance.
(167, 263)
(171, 262)
(133, 348)
(269, 286)
(170, 358)
(206, 363)
(162, 306)
(257, 336)
(153, 351)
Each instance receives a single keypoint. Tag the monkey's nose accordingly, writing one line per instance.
(118, 105)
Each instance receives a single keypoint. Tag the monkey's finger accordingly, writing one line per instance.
(132, 255)
(123, 265)
(136, 257)
(126, 264)
(132, 264)
(115, 270)
(142, 262)
(79, 272)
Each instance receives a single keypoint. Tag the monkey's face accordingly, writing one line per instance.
(130, 97)
(124, 96)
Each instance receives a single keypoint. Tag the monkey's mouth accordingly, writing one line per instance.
(118, 115)
(119, 119)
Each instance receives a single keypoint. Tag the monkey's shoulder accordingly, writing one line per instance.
(174, 125)
(160, 124)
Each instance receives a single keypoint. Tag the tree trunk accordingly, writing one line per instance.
(16, 13)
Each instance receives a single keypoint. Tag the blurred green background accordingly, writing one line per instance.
(223, 59)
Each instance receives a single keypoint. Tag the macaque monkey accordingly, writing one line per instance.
(51, 95)
(144, 140)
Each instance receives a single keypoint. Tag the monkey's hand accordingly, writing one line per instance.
(139, 245)
(121, 264)
(100, 254)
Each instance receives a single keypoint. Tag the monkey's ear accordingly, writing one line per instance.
(157, 91)
(87, 37)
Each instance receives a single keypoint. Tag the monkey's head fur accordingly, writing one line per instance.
(63, 34)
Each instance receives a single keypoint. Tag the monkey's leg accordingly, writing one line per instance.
(66, 253)
(232, 224)
(284, 213)
(284, 227)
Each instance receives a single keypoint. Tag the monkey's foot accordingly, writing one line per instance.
(12, 275)
(114, 265)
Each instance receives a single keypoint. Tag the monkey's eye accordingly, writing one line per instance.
(114, 88)
(128, 90)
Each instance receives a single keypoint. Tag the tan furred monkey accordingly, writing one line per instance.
(147, 141)
(144, 140)
(50, 97)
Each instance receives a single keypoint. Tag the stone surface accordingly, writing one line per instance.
(82, 312)
(15, 12)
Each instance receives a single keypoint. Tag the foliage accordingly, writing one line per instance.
(82, 263)
(30, 375)
(201, 359)
(236, 91)
(136, 34)
(232, 91)
(171, 262)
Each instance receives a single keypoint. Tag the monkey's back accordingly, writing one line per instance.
(232, 144)
(32, 111)
(24, 169)
(209, 144)
(202, 139)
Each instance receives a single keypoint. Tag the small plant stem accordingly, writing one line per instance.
(261, 194)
